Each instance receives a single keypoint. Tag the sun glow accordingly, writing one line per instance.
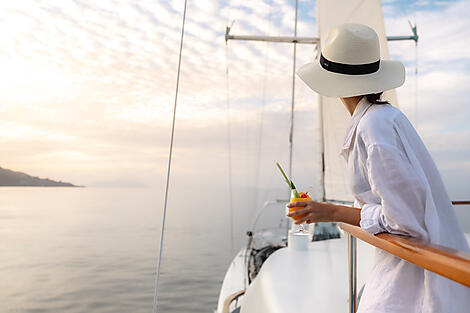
(23, 82)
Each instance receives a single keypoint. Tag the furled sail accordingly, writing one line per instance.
(335, 118)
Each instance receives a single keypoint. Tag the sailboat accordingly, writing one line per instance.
(276, 271)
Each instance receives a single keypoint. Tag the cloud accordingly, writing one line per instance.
(87, 88)
(442, 108)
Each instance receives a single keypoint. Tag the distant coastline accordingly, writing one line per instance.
(9, 178)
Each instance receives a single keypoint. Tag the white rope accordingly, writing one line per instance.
(263, 104)
(229, 147)
(157, 276)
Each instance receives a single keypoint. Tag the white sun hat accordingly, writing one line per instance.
(350, 64)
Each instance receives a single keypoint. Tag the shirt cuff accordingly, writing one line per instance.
(371, 217)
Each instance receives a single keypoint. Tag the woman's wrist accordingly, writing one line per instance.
(333, 212)
(336, 212)
(345, 214)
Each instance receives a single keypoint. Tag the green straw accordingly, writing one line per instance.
(289, 182)
(285, 176)
(293, 186)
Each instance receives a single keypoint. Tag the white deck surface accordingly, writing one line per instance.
(310, 281)
(300, 281)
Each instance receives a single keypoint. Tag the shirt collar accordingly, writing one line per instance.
(362, 106)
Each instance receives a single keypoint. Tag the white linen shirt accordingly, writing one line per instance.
(399, 190)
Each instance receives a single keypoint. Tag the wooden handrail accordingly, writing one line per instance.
(466, 202)
(451, 263)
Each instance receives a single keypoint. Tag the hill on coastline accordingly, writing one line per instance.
(12, 178)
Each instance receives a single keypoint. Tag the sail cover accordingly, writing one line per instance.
(335, 117)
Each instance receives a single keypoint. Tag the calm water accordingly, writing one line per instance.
(94, 250)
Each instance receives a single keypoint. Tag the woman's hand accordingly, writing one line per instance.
(315, 211)
(325, 212)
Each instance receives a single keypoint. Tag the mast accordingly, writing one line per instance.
(321, 142)
(291, 132)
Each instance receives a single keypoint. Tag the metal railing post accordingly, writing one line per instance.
(352, 256)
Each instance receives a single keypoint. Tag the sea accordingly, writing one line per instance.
(94, 250)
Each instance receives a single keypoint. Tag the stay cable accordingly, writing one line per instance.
(157, 276)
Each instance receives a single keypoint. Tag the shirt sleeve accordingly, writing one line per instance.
(402, 194)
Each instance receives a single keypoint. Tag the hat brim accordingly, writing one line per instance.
(391, 74)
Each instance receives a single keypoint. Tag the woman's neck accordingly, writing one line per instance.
(351, 103)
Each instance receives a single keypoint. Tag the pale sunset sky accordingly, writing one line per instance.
(87, 87)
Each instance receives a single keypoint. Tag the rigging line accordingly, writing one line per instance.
(230, 12)
(291, 133)
(260, 132)
(157, 276)
(404, 11)
(358, 5)
(229, 136)
(237, 7)
(416, 82)
(416, 86)
(229, 147)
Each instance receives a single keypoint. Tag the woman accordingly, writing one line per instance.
(395, 183)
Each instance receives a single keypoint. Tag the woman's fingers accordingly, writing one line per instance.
(298, 212)
(303, 219)
(296, 204)
(315, 211)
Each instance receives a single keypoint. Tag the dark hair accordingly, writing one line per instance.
(375, 98)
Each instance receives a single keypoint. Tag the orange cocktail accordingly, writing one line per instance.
(302, 197)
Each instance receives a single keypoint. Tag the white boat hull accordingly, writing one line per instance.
(236, 278)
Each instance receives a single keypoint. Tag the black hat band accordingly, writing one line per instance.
(350, 69)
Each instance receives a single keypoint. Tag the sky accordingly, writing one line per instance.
(87, 91)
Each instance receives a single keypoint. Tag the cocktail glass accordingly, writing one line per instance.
(293, 198)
